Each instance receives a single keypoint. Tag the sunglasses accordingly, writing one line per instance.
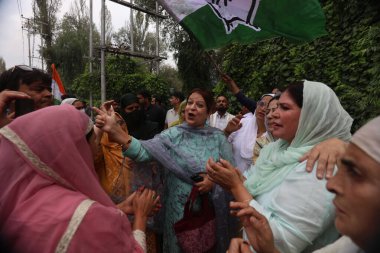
(22, 67)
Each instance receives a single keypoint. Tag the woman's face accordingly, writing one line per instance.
(273, 105)
(357, 196)
(261, 108)
(79, 105)
(286, 118)
(196, 110)
(132, 107)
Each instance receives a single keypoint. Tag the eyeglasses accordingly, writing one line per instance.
(261, 104)
(22, 67)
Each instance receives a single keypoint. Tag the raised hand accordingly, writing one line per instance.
(108, 122)
(238, 245)
(256, 227)
(326, 154)
(231, 85)
(205, 185)
(6, 97)
(223, 173)
(233, 125)
(127, 205)
(145, 203)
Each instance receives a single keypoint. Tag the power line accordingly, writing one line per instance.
(19, 7)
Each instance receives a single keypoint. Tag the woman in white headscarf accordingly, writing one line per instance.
(79, 105)
(356, 187)
(295, 202)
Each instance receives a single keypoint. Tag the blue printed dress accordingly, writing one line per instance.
(183, 151)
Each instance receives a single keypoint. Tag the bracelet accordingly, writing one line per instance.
(125, 146)
(246, 201)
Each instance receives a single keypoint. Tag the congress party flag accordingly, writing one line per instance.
(57, 88)
(215, 23)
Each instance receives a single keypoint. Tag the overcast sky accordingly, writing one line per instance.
(14, 41)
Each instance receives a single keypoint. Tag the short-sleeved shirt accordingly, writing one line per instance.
(171, 116)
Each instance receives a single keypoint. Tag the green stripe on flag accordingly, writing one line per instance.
(209, 30)
(296, 20)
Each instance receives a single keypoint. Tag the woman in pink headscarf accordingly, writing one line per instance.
(50, 197)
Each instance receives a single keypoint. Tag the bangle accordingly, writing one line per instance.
(125, 146)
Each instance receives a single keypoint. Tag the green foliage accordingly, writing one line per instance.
(194, 67)
(123, 75)
(2, 65)
(348, 59)
(171, 76)
(72, 45)
(45, 16)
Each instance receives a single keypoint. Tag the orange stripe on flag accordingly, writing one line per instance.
(57, 79)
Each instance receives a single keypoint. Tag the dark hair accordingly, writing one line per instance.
(178, 95)
(295, 91)
(222, 96)
(145, 94)
(158, 99)
(13, 77)
(276, 97)
(128, 99)
(207, 96)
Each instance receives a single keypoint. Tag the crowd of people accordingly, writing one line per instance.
(283, 175)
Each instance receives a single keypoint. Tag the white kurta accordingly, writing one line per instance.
(342, 245)
(243, 141)
(300, 212)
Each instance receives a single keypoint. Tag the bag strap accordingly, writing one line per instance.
(191, 200)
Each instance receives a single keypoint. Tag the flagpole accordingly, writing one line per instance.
(214, 63)
(90, 63)
(102, 55)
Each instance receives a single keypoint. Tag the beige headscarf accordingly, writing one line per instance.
(69, 101)
(367, 138)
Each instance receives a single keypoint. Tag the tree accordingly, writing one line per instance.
(2, 65)
(108, 26)
(194, 66)
(123, 75)
(171, 76)
(70, 47)
(144, 40)
(45, 15)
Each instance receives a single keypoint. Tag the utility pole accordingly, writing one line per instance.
(131, 22)
(102, 54)
(90, 57)
(41, 47)
(154, 58)
(30, 25)
(157, 41)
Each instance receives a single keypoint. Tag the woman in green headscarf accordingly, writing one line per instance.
(295, 202)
